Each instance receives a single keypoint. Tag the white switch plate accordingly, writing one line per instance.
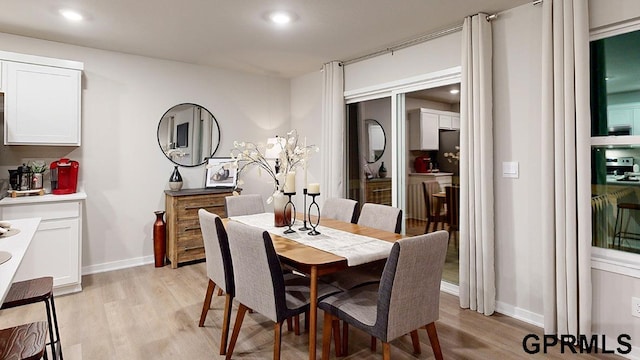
(635, 306)
(510, 169)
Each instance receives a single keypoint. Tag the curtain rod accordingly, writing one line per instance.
(405, 44)
(418, 40)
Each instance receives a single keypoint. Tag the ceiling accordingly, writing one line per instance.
(234, 34)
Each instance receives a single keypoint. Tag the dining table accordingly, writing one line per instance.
(13, 246)
(314, 262)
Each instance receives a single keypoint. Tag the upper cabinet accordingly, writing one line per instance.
(423, 130)
(41, 100)
(424, 125)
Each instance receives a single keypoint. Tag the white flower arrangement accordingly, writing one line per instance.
(292, 154)
(453, 157)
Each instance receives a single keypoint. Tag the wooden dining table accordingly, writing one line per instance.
(316, 263)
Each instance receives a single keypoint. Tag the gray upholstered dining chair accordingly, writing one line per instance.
(407, 298)
(219, 269)
(383, 217)
(340, 209)
(244, 204)
(260, 283)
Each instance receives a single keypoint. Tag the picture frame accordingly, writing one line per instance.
(219, 173)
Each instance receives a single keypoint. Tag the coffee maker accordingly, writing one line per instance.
(422, 164)
(64, 176)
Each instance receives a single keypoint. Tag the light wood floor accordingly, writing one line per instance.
(147, 312)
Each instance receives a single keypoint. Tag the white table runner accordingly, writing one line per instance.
(357, 249)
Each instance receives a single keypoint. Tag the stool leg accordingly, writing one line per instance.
(55, 323)
(616, 233)
(51, 338)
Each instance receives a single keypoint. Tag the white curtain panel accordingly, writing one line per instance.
(333, 130)
(566, 188)
(477, 275)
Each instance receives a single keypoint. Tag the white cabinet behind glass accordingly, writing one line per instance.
(42, 105)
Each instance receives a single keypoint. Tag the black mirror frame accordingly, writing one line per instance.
(214, 120)
(384, 134)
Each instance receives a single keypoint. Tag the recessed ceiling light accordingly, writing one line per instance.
(281, 17)
(71, 15)
(454, 91)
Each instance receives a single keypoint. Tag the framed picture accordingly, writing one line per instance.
(219, 173)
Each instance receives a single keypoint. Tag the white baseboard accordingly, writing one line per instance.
(520, 314)
(117, 265)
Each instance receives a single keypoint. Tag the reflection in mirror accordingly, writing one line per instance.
(376, 140)
(188, 134)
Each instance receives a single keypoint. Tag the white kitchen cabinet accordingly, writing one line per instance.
(444, 121)
(41, 100)
(423, 130)
(56, 249)
(455, 122)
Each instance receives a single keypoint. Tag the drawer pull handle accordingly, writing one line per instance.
(381, 190)
(201, 207)
(186, 248)
(189, 228)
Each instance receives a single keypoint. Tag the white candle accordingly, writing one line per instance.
(290, 182)
(306, 159)
(314, 188)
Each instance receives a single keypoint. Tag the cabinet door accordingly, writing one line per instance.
(429, 139)
(445, 122)
(54, 251)
(455, 123)
(42, 105)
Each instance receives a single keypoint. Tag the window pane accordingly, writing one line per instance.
(615, 201)
(615, 85)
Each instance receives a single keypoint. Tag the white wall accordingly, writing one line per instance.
(438, 54)
(517, 94)
(122, 168)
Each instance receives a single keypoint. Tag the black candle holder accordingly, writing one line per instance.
(292, 217)
(314, 226)
(304, 216)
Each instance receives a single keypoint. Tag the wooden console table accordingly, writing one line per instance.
(184, 239)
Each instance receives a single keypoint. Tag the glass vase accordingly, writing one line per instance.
(280, 217)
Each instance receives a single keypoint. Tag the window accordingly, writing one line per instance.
(615, 131)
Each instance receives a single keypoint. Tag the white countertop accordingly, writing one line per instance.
(29, 199)
(431, 174)
(16, 245)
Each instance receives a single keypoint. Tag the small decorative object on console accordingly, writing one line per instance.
(175, 180)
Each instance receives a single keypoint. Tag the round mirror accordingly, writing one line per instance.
(376, 140)
(188, 134)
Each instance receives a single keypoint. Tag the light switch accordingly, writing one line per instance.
(510, 169)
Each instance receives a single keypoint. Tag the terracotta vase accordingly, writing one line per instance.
(280, 217)
(159, 234)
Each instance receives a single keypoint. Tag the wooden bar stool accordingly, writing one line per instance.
(33, 291)
(24, 342)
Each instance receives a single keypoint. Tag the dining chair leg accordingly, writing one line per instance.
(207, 302)
(226, 320)
(426, 228)
(296, 324)
(433, 339)
(373, 344)
(277, 340)
(236, 330)
(345, 339)
(335, 324)
(415, 340)
(386, 351)
(220, 292)
(326, 335)
(306, 321)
